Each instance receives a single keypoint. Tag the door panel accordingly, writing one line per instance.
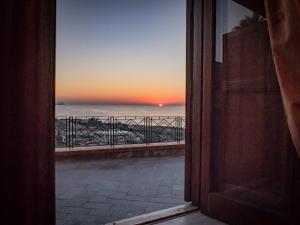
(250, 155)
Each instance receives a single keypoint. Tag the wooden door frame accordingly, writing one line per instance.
(194, 62)
(28, 57)
(27, 88)
(207, 74)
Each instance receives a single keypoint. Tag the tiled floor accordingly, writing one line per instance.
(101, 191)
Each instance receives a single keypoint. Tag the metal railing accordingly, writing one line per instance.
(120, 130)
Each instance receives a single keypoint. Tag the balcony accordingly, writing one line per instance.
(112, 168)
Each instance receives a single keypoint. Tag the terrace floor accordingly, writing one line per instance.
(100, 191)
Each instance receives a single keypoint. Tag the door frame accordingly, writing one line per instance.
(29, 72)
(27, 89)
(194, 64)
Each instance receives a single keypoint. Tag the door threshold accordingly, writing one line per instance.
(158, 216)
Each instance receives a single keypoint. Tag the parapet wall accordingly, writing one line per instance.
(121, 151)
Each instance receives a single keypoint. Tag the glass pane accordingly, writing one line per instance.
(251, 158)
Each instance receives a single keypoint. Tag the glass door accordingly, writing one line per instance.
(247, 160)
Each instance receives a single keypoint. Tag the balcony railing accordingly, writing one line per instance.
(110, 131)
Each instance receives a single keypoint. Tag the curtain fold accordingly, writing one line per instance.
(284, 28)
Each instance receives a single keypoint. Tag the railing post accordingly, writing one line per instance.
(66, 132)
(69, 132)
(148, 130)
(177, 129)
(112, 131)
(180, 129)
(145, 131)
(74, 134)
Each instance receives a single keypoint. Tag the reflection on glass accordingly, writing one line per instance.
(251, 158)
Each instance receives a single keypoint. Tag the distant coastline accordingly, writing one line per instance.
(118, 110)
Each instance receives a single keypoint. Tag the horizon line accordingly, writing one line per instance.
(114, 103)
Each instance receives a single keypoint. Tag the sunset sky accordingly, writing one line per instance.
(121, 51)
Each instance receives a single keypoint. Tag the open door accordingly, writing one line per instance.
(248, 162)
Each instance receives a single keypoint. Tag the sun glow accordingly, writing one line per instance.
(160, 105)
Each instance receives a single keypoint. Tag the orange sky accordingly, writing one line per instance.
(103, 83)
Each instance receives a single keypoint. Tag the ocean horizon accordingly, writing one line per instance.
(118, 110)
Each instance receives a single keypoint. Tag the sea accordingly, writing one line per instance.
(118, 110)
